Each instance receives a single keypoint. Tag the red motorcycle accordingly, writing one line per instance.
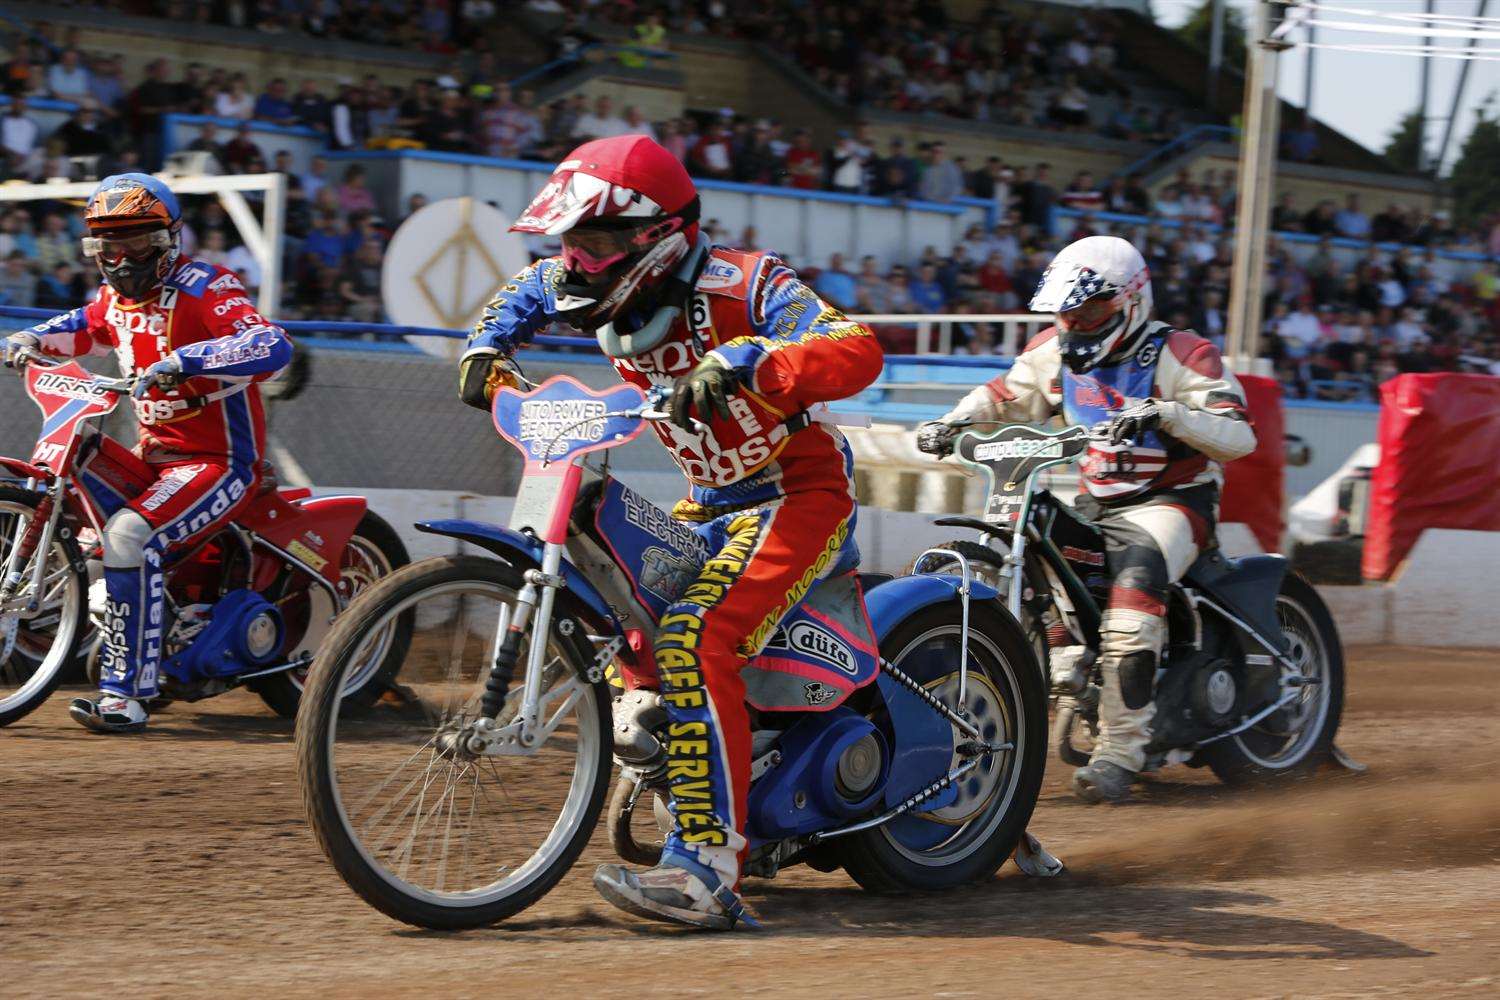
(246, 606)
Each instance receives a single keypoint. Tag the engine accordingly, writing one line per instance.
(244, 633)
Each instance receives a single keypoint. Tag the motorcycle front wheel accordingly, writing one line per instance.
(422, 828)
(36, 646)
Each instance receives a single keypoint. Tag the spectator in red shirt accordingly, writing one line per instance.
(804, 165)
(994, 279)
(713, 154)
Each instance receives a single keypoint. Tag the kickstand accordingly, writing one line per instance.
(1348, 763)
(1035, 860)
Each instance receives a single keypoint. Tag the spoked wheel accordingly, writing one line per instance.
(36, 645)
(373, 552)
(970, 837)
(424, 826)
(1296, 738)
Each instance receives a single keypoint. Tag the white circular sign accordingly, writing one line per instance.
(443, 266)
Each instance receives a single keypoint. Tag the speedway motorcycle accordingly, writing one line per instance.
(245, 606)
(1251, 681)
(899, 734)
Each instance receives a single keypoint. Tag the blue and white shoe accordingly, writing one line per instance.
(679, 890)
(109, 713)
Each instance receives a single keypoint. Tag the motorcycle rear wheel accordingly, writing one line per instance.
(374, 551)
(971, 838)
(1266, 753)
(464, 858)
(46, 643)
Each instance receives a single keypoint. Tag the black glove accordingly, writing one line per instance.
(480, 376)
(1133, 421)
(706, 389)
(936, 437)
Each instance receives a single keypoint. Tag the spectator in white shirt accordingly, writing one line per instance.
(19, 139)
(601, 123)
(236, 102)
(636, 125)
(68, 78)
(1300, 330)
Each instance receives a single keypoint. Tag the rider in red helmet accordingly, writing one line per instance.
(752, 352)
(191, 333)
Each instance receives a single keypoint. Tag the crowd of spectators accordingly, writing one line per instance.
(1338, 320)
(1335, 326)
(414, 25)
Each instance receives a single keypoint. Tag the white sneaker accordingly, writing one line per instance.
(109, 713)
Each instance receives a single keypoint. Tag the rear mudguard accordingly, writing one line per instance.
(892, 602)
(923, 739)
(1246, 587)
(524, 550)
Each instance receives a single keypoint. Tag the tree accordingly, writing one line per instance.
(1198, 31)
(1474, 182)
(1404, 149)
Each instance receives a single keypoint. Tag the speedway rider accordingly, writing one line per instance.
(748, 349)
(1173, 414)
(189, 332)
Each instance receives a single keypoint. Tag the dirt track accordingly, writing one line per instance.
(178, 864)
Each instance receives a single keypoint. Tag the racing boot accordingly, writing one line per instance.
(109, 713)
(1129, 646)
(679, 890)
(1103, 781)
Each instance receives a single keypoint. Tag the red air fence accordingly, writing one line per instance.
(1439, 437)
(1253, 484)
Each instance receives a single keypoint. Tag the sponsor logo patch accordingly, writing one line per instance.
(720, 274)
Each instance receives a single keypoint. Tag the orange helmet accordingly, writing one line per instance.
(133, 222)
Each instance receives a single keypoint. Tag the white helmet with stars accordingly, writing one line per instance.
(1099, 289)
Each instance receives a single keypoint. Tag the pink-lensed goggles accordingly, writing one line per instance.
(594, 251)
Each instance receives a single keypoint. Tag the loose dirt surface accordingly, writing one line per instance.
(178, 863)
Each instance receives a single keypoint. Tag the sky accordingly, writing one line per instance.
(1364, 95)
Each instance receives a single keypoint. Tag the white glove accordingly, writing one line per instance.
(18, 342)
(935, 437)
(165, 373)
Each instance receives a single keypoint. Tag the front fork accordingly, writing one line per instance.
(33, 536)
(534, 600)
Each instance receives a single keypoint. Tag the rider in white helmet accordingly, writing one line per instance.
(1174, 414)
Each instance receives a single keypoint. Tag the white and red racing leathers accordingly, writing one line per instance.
(1155, 499)
(204, 438)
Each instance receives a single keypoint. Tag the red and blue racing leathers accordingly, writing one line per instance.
(203, 439)
(772, 494)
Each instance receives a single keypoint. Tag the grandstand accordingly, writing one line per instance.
(901, 178)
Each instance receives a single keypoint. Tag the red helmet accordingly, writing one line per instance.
(627, 212)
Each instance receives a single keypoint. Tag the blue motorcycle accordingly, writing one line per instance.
(899, 726)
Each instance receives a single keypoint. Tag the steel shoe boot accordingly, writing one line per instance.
(109, 713)
(1103, 781)
(679, 890)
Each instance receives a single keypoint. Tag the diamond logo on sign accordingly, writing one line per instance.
(444, 264)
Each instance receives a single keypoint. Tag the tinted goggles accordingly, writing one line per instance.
(594, 249)
(1090, 316)
(139, 246)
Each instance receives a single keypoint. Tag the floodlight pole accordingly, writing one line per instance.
(1256, 176)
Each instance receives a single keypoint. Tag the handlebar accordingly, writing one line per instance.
(1098, 432)
(28, 356)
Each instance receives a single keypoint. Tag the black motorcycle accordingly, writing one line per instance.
(1252, 672)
